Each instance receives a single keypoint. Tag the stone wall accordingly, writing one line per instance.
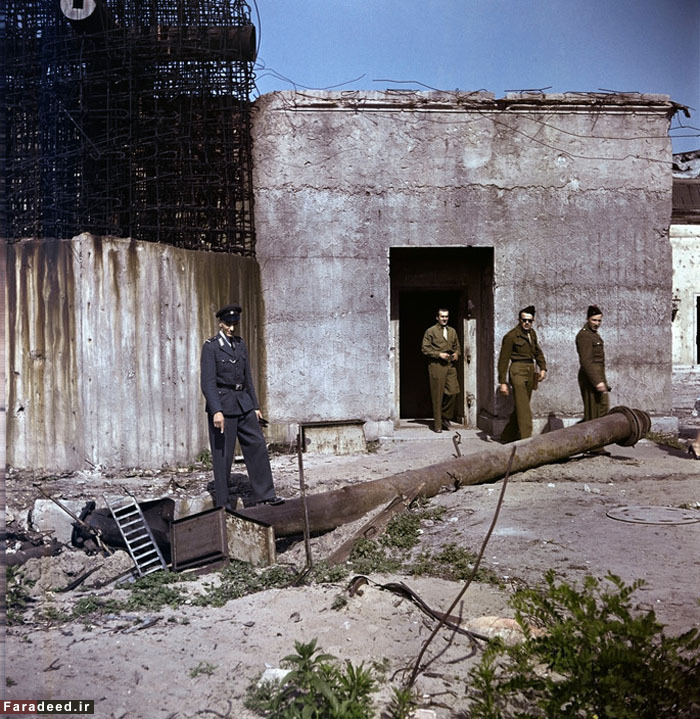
(572, 192)
(104, 345)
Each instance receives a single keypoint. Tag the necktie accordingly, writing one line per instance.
(444, 332)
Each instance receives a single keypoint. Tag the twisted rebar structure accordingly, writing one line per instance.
(127, 118)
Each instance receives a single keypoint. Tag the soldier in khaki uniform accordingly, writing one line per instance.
(441, 347)
(591, 375)
(521, 351)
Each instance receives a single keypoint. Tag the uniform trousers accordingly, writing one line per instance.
(257, 460)
(595, 404)
(522, 381)
(444, 388)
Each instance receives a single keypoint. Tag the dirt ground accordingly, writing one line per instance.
(197, 661)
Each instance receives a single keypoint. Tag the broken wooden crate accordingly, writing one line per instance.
(217, 535)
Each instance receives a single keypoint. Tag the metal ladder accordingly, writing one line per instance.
(136, 533)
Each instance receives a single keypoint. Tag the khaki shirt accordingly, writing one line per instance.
(591, 354)
(434, 342)
(515, 348)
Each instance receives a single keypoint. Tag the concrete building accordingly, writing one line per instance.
(375, 208)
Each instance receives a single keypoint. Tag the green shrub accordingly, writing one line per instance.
(317, 687)
(403, 704)
(592, 657)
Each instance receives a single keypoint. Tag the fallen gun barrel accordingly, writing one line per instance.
(328, 510)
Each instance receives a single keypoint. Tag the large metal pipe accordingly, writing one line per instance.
(328, 510)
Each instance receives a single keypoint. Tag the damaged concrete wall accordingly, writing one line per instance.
(685, 240)
(572, 192)
(104, 345)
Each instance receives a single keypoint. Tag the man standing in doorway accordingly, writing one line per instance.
(521, 352)
(591, 375)
(233, 412)
(441, 347)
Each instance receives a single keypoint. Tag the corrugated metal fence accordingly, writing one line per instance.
(104, 344)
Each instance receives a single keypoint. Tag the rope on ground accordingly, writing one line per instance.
(443, 619)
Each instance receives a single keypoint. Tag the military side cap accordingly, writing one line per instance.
(229, 314)
(530, 309)
(593, 310)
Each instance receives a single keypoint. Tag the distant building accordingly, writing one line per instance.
(685, 242)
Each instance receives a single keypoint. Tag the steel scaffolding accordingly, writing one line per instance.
(128, 118)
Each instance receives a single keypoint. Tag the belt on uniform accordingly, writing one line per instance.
(237, 387)
(522, 360)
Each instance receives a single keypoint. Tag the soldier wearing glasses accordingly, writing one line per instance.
(233, 412)
(522, 361)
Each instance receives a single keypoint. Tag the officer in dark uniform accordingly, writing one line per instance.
(232, 411)
(521, 351)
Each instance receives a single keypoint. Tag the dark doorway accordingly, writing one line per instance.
(417, 310)
(423, 279)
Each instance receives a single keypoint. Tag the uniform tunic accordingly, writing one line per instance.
(516, 362)
(591, 353)
(227, 386)
(442, 374)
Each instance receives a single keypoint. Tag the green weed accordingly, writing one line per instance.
(17, 597)
(317, 687)
(340, 602)
(373, 446)
(154, 591)
(240, 578)
(323, 573)
(202, 669)
(403, 704)
(403, 531)
(368, 557)
(666, 440)
(203, 459)
(92, 604)
(53, 615)
(454, 563)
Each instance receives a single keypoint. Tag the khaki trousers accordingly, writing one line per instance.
(595, 404)
(444, 388)
(522, 382)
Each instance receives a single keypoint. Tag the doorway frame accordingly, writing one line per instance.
(478, 327)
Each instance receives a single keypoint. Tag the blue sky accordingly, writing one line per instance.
(496, 45)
